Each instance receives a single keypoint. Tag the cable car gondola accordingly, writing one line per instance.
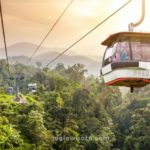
(32, 87)
(10, 90)
(126, 61)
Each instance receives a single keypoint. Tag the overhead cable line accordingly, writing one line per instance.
(63, 52)
(38, 47)
(4, 37)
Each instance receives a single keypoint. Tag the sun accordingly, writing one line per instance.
(86, 8)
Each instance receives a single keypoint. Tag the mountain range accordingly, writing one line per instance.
(20, 52)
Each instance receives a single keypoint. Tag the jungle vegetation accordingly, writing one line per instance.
(71, 111)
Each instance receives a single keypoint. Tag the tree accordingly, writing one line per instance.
(139, 136)
(60, 69)
(35, 131)
(76, 72)
(60, 121)
(9, 137)
(39, 64)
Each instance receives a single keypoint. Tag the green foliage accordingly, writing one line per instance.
(70, 111)
(139, 131)
(9, 137)
(132, 122)
(76, 72)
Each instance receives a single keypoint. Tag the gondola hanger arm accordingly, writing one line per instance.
(132, 25)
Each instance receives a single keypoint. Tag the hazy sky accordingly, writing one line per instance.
(30, 20)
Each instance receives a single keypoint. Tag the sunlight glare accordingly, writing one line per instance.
(87, 8)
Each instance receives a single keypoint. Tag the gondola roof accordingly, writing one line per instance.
(121, 35)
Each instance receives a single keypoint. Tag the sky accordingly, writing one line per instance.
(30, 20)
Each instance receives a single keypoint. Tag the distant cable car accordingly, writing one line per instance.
(126, 61)
(10, 90)
(32, 87)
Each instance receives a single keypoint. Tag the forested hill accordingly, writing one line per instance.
(70, 111)
(20, 53)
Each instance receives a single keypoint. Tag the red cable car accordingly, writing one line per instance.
(126, 61)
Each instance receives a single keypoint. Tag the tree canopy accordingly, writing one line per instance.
(71, 111)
